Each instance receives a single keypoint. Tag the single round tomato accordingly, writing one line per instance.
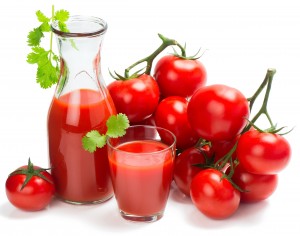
(178, 76)
(33, 195)
(137, 98)
(218, 112)
(185, 169)
(171, 114)
(263, 153)
(214, 195)
(256, 187)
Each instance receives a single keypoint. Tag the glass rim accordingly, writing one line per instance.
(81, 18)
(169, 146)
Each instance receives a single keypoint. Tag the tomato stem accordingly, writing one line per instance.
(263, 110)
(222, 162)
(166, 42)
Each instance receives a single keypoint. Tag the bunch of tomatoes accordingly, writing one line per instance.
(223, 157)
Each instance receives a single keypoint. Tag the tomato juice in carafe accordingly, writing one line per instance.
(81, 103)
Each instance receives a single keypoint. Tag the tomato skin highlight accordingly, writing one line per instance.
(179, 77)
(263, 153)
(256, 187)
(213, 195)
(137, 98)
(184, 169)
(171, 114)
(35, 196)
(218, 112)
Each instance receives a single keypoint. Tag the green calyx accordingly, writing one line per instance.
(117, 76)
(30, 171)
(273, 129)
(183, 55)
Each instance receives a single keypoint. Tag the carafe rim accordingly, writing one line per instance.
(96, 26)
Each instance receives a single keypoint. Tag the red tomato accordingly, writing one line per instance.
(257, 187)
(263, 153)
(179, 77)
(36, 193)
(218, 112)
(171, 114)
(184, 169)
(137, 98)
(213, 195)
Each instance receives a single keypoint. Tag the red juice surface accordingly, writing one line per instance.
(79, 176)
(141, 182)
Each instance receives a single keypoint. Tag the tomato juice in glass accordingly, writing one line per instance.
(141, 167)
(79, 176)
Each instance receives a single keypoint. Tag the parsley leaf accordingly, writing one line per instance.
(41, 17)
(92, 140)
(61, 15)
(116, 126)
(47, 74)
(34, 37)
(47, 61)
(37, 54)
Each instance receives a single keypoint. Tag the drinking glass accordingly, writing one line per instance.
(141, 166)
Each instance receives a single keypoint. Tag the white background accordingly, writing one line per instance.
(242, 41)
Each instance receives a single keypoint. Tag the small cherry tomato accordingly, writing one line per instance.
(30, 188)
(256, 187)
(137, 98)
(263, 153)
(178, 76)
(171, 114)
(218, 112)
(214, 195)
(185, 169)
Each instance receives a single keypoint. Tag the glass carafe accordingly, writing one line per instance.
(81, 103)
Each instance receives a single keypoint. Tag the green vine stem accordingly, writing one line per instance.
(221, 163)
(263, 110)
(166, 42)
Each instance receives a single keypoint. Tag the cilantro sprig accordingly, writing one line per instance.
(116, 127)
(47, 61)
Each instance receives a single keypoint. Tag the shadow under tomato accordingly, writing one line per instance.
(247, 214)
(9, 211)
(177, 196)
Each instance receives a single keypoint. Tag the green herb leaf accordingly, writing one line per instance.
(34, 37)
(47, 74)
(37, 54)
(93, 140)
(45, 27)
(62, 26)
(116, 125)
(47, 62)
(61, 15)
(41, 17)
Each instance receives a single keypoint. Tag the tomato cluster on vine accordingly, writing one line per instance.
(223, 157)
